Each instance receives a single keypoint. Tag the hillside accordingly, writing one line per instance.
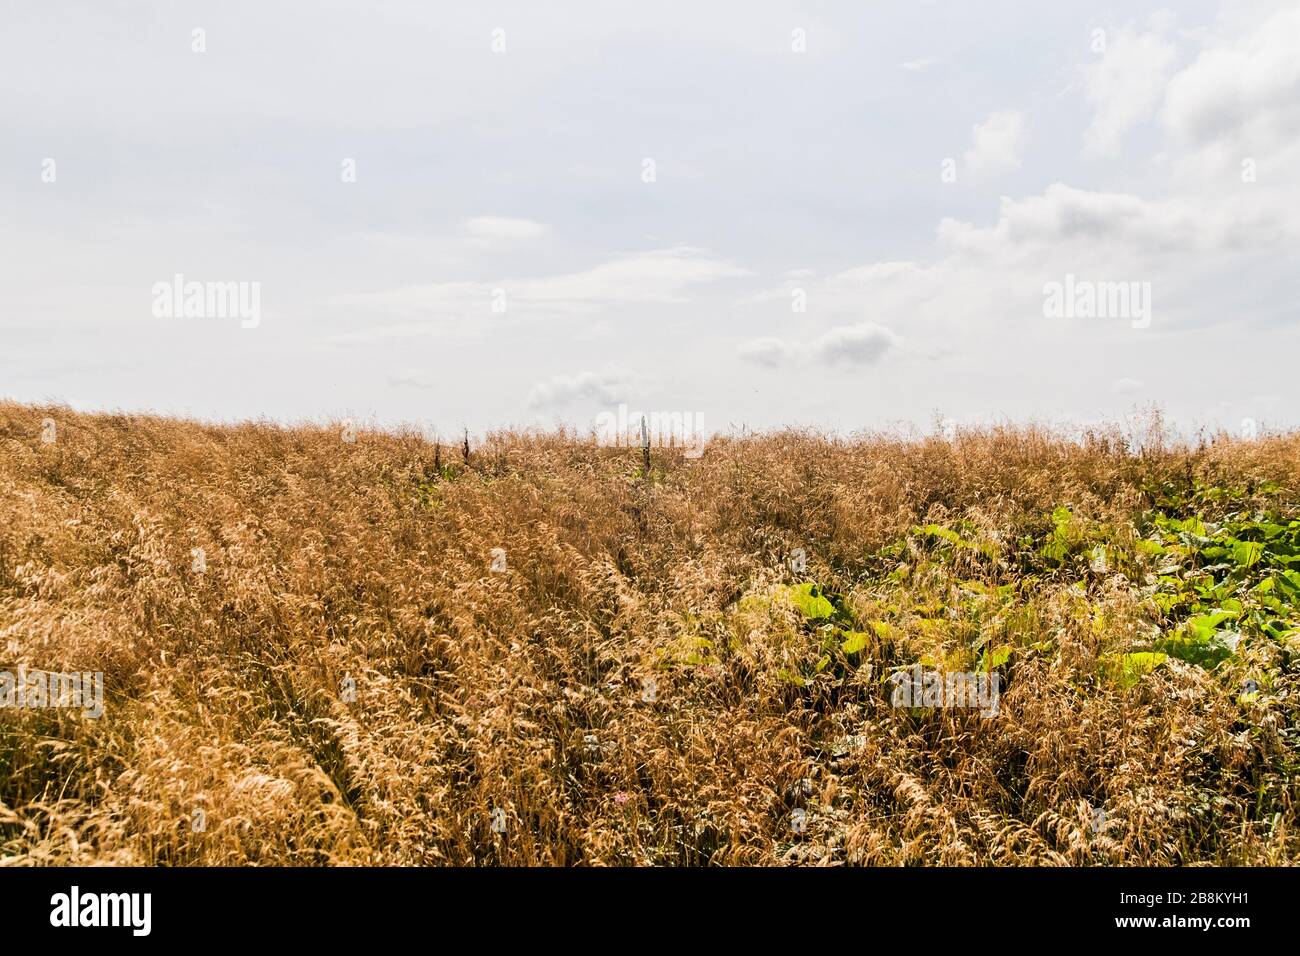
(314, 652)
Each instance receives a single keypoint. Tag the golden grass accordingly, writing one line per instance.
(523, 691)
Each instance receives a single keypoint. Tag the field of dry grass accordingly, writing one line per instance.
(310, 659)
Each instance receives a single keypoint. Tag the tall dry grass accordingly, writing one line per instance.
(524, 691)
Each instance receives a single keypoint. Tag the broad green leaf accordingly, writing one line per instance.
(1203, 627)
(939, 531)
(1247, 553)
(995, 657)
(1289, 582)
(1128, 669)
(1208, 652)
(854, 642)
(809, 601)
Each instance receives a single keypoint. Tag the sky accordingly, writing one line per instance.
(845, 215)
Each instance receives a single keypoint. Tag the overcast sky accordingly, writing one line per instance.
(841, 214)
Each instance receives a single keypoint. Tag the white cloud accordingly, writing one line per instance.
(499, 227)
(1172, 209)
(988, 279)
(411, 378)
(878, 271)
(1127, 386)
(1064, 214)
(996, 144)
(1244, 91)
(862, 344)
(1237, 98)
(609, 386)
(769, 351)
(658, 277)
(919, 64)
(662, 276)
(1125, 84)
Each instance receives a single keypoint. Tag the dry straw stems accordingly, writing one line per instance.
(619, 692)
